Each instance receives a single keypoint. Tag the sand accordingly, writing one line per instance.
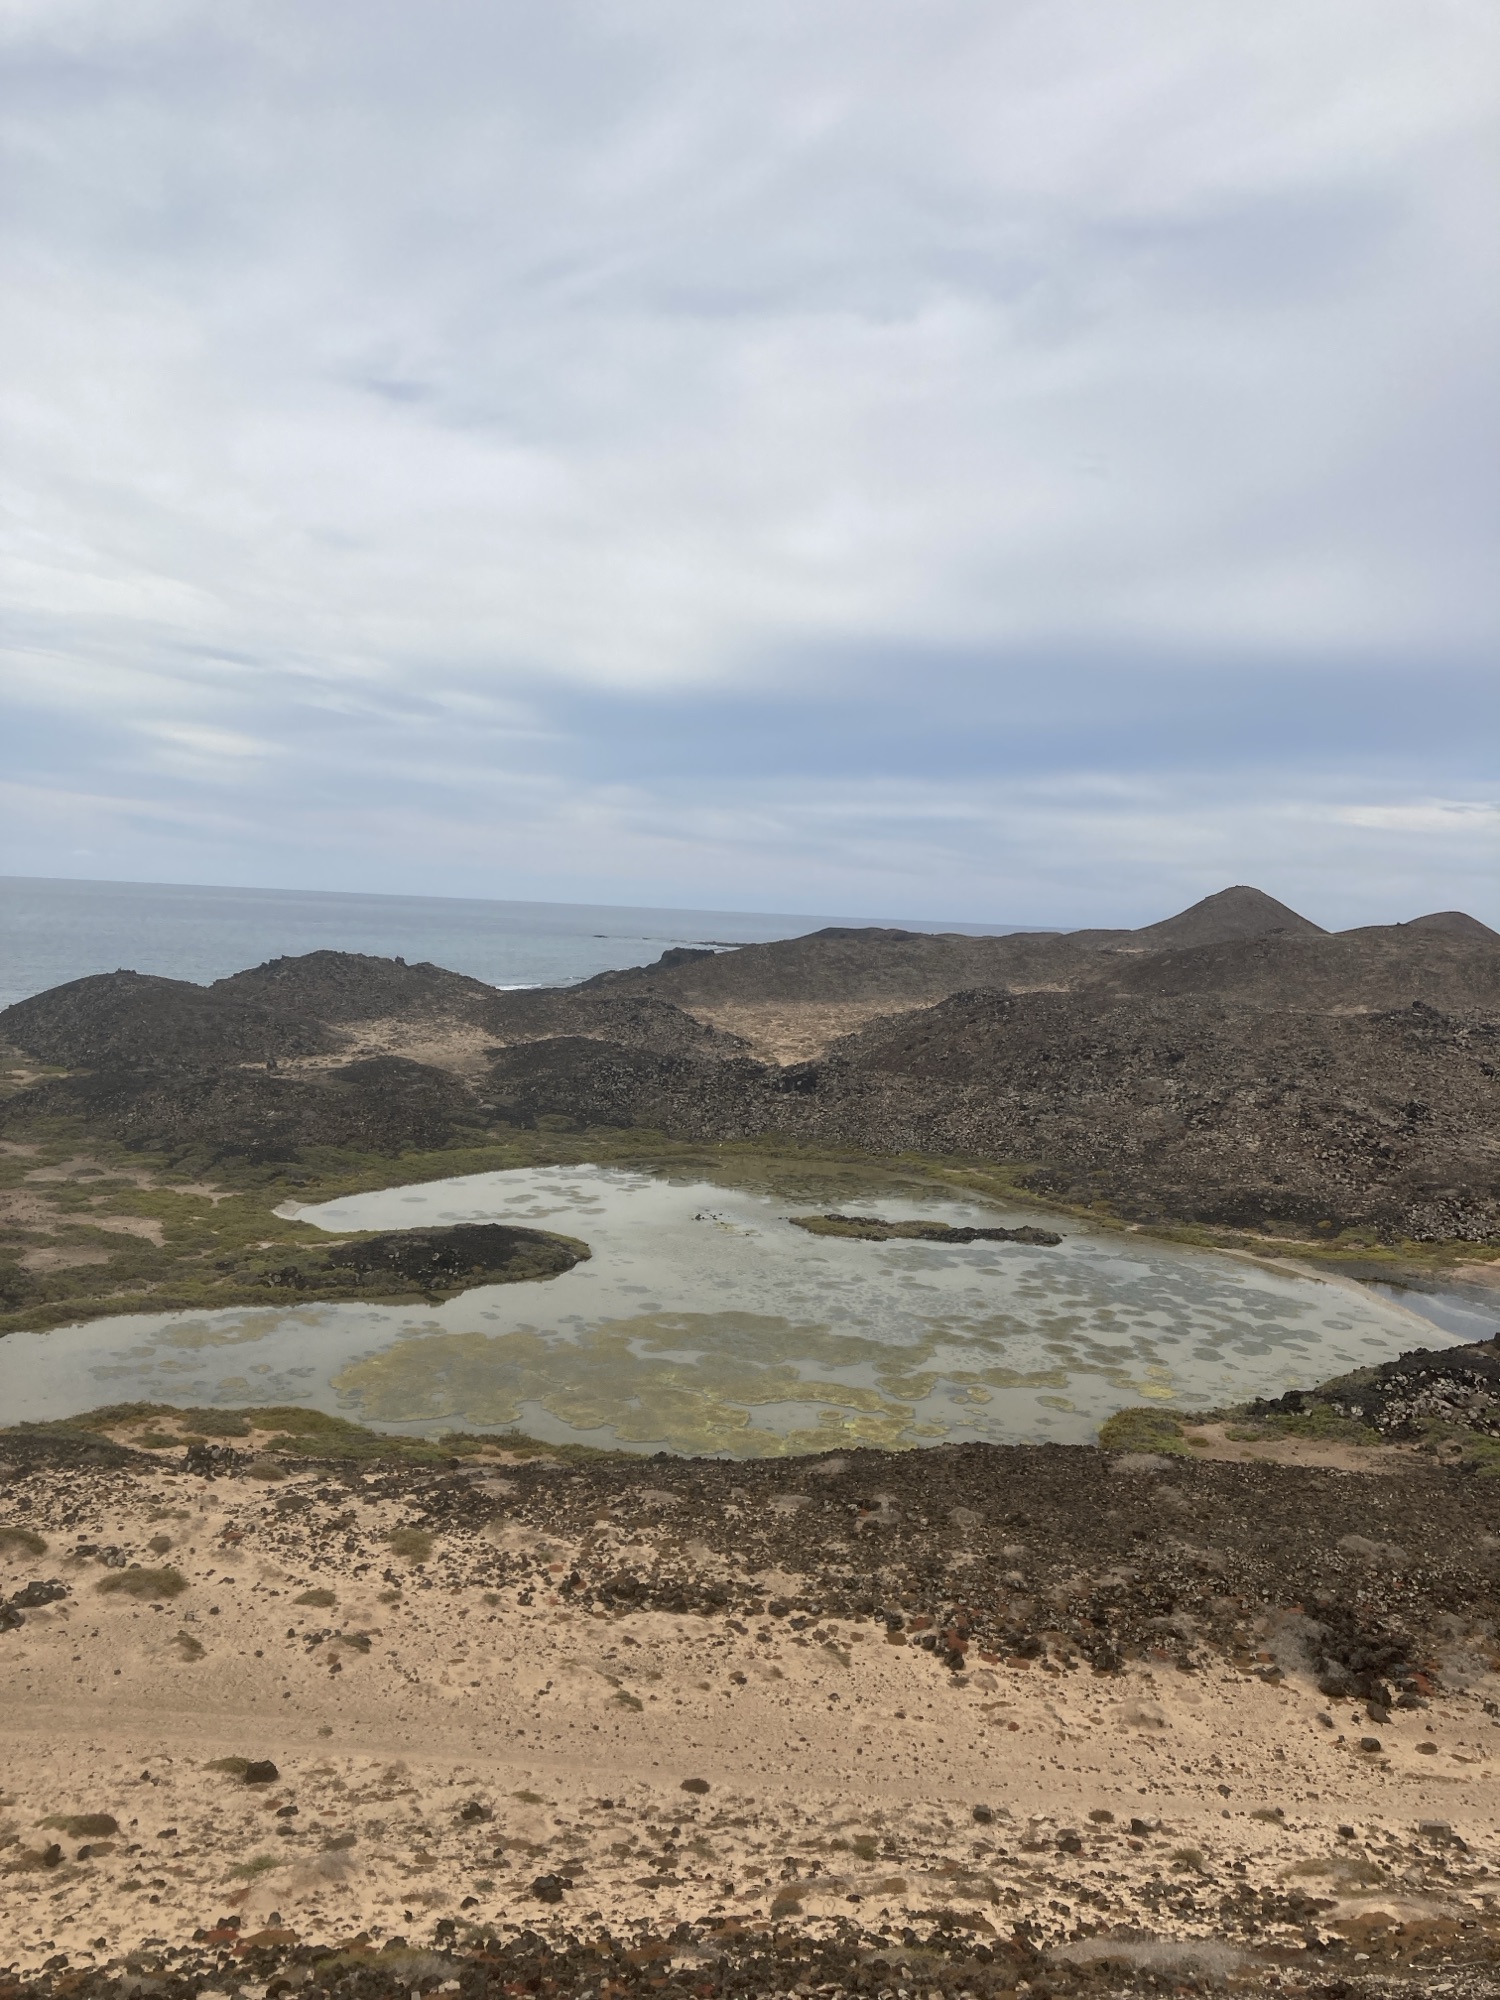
(440, 1746)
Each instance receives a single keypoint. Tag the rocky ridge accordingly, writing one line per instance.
(1233, 1065)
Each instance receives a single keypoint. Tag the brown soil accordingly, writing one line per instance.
(61, 1259)
(790, 1031)
(1209, 1441)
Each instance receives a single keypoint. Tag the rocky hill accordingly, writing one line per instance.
(1241, 912)
(216, 1111)
(343, 986)
(133, 1017)
(1352, 972)
(1239, 945)
(1234, 1064)
(631, 1019)
(1180, 1108)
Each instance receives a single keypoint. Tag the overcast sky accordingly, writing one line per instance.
(1008, 461)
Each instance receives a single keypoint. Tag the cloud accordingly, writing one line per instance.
(1453, 817)
(417, 388)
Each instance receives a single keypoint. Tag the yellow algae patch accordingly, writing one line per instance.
(684, 1380)
(243, 1329)
(1026, 1378)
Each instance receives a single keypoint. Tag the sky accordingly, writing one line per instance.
(1016, 460)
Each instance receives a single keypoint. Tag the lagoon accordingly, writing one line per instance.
(704, 1321)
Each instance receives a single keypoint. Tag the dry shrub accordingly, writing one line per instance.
(138, 1582)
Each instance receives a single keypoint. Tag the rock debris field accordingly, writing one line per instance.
(977, 1719)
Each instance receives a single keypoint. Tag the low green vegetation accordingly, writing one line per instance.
(875, 1229)
(1322, 1423)
(1456, 1444)
(294, 1433)
(1144, 1429)
(150, 1236)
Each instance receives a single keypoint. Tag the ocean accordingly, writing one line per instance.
(54, 931)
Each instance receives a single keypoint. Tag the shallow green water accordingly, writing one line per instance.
(705, 1322)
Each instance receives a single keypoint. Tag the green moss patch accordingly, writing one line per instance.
(1144, 1430)
(214, 1424)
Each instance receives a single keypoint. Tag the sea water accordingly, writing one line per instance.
(54, 931)
(706, 1321)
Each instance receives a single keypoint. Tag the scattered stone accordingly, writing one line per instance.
(35, 1595)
